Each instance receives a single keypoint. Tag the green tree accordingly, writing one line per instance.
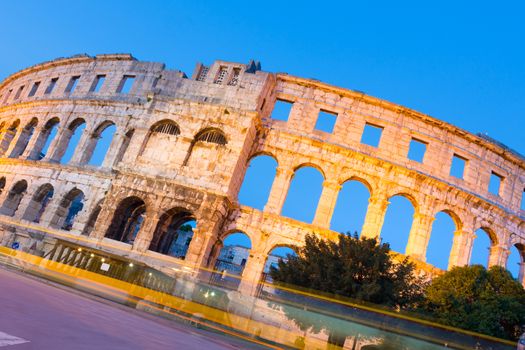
(357, 268)
(480, 300)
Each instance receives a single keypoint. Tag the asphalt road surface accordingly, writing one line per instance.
(39, 316)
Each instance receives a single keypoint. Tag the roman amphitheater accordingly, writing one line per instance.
(181, 149)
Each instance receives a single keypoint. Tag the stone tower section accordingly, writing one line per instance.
(181, 147)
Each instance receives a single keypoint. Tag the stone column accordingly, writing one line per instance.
(36, 143)
(114, 148)
(521, 274)
(104, 219)
(498, 256)
(375, 216)
(251, 275)
(135, 145)
(280, 186)
(14, 141)
(145, 234)
(47, 217)
(326, 205)
(58, 146)
(23, 205)
(461, 248)
(85, 147)
(419, 236)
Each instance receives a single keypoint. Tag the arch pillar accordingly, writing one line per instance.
(135, 145)
(105, 217)
(36, 143)
(85, 148)
(252, 273)
(24, 203)
(114, 148)
(375, 215)
(521, 274)
(83, 216)
(326, 205)
(419, 235)
(7, 138)
(498, 255)
(145, 234)
(14, 141)
(58, 146)
(51, 209)
(461, 248)
(279, 191)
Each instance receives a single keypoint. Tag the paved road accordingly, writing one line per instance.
(35, 315)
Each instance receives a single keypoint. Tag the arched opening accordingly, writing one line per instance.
(8, 136)
(124, 146)
(127, 220)
(232, 259)
(206, 145)
(350, 208)
(481, 248)
(68, 209)
(38, 203)
(45, 138)
(441, 239)
(92, 220)
(398, 222)
(161, 142)
(24, 138)
(99, 143)
(516, 260)
(303, 194)
(276, 254)
(258, 181)
(71, 140)
(2, 184)
(174, 233)
(14, 197)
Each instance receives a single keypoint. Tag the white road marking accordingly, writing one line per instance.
(7, 339)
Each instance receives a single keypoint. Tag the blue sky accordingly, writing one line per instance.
(461, 62)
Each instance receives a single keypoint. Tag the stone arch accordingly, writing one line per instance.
(39, 202)
(485, 239)
(46, 136)
(70, 140)
(98, 144)
(23, 139)
(69, 207)
(351, 205)
(299, 204)
(516, 262)
(258, 180)
(233, 251)
(174, 233)
(447, 223)
(273, 256)
(14, 197)
(127, 220)
(161, 141)
(310, 165)
(92, 220)
(206, 148)
(398, 222)
(8, 136)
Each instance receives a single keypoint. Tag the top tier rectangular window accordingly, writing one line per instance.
(221, 75)
(458, 166)
(126, 84)
(495, 183)
(51, 86)
(19, 92)
(417, 150)
(371, 135)
(326, 121)
(71, 86)
(34, 89)
(97, 83)
(281, 110)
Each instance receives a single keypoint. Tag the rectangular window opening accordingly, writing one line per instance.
(416, 150)
(457, 169)
(203, 73)
(126, 84)
(235, 77)
(51, 86)
(523, 200)
(495, 183)
(97, 83)
(371, 135)
(34, 89)
(71, 86)
(221, 75)
(7, 95)
(326, 121)
(19, 92)
(281, 110)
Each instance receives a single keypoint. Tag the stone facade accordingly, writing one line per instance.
(181, 150)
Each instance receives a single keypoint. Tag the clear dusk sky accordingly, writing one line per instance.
(459, 61)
